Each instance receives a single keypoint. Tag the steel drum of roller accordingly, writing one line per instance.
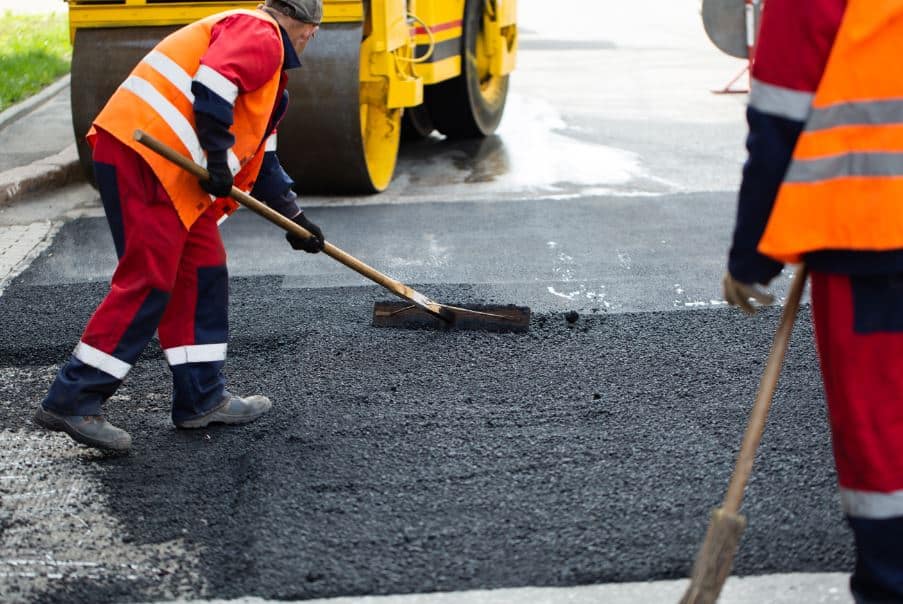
(338, 135)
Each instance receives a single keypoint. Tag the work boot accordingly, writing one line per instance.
(233, 410)
(91, 430)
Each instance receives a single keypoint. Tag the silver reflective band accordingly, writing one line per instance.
(782, 102)
(863, 113)
(170, 70)
(201, 353)
(98, 359)
(751, 24)
(179, 78)
(872, 505)
(218, 83)
(270, 144)
(170, 114)
(845, 166)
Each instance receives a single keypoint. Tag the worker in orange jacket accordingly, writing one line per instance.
(824, 185)
(215, 90)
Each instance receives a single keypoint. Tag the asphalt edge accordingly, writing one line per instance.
(41, 175)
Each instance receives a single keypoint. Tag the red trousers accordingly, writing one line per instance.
(168, 280)
(859, 333)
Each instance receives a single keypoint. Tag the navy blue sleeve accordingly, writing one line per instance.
(212, 119)
(274, 187)
(770, 144)
(272, 180)
(279, 111)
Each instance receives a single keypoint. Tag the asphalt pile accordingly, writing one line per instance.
(400, 461)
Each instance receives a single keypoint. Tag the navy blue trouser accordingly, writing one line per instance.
(168, 280)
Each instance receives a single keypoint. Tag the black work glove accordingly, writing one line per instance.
(311, 245)
(739, 294)
(220, 182)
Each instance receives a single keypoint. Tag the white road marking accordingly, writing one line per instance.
(19, 245)
(812, 588)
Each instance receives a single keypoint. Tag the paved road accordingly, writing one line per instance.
(408, 461)
(416, 461)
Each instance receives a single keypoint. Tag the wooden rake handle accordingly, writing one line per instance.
(759, 413)
(263, 210)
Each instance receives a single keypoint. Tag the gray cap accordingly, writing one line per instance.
(309, 11)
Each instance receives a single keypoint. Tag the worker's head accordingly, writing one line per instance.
(308, 11)
(300, 18)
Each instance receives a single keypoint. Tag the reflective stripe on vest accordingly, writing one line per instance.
(844, 187)
(157, 98)
(179, 124)
(848, 165)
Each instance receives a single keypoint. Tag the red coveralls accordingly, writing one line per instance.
(857, 292)
(171, 277)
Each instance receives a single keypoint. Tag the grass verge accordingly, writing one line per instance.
(34, 51)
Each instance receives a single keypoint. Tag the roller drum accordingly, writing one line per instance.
(101, 60)
(321, 142)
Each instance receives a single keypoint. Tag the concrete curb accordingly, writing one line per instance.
(54, 171)
(47, 173)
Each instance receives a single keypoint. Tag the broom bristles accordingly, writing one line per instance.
(715, 558)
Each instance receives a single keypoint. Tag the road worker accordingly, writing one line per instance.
(823, 185)
(215, 90)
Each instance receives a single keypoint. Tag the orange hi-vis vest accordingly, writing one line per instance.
(156, 97)
(844, 187)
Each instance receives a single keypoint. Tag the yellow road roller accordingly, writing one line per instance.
(377, 69)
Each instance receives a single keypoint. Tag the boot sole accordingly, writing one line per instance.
(215, 417)
(55, 424)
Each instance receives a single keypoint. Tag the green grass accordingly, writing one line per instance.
(34, 51)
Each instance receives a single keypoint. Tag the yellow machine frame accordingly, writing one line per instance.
(387, 53)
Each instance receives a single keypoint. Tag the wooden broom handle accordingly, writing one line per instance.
(260, 208)
(759, 414)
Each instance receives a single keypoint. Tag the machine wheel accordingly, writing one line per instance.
(471, 104)
(417, 124)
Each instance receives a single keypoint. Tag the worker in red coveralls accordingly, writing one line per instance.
(824, 185)
(215, 91)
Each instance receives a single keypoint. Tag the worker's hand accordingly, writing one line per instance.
(311, 245)
(739, 294)
(220, 182)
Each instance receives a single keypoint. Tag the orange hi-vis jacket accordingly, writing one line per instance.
(844, 187)
(156, 97)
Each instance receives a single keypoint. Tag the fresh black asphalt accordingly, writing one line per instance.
(400, 461)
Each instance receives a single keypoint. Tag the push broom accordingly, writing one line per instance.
(419, 311)
(716, 556)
